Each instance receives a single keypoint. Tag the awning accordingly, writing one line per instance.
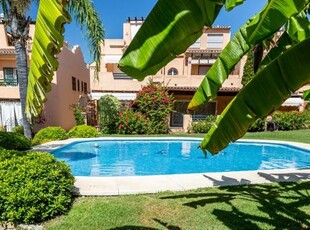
(293, 101)
(114, 59)
(119, 96)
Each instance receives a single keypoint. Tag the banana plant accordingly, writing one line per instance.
(158, 42)
(48, 41)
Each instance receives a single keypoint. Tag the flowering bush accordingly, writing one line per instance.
(131, 122)
(155, 103)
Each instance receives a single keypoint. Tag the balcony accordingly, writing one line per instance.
(8, 82)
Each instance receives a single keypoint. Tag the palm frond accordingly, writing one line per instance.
(86, 15)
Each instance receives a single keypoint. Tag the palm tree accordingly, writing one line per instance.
(171, 28)
(41, 72)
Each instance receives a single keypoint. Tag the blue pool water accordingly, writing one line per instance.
(159, 157)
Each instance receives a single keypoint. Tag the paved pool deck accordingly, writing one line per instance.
(113, 186)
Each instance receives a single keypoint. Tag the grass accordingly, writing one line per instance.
(296, 135)
(284, 205)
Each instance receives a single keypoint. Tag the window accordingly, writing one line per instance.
(215, 40)
(173, 71)
(78, 85)
(85, 87)
(10, 73)
(204, 110)
(203, 69)
(196, 45)
(10, 76)
(74, 83)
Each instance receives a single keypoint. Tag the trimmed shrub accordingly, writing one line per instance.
(47, 134)
(290, 120)
(203, 126)
(131, 122)
(83, 131)
(14, 141)
(257, 126)
(108, 108)
(34, 187)
(18, 129)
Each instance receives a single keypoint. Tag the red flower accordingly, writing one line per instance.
(166, 100)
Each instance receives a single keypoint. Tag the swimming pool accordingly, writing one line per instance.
(123, 157)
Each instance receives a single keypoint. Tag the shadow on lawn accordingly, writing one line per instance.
(274, 206)
(164, 224)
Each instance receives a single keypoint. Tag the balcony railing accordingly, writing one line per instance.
(121, 76)
(8, 82)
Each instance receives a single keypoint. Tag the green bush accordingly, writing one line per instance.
(306, 114)
(77, 113)
(47, 134)
(131, 122)
(203, 126)
(34, 187)
(290, 120)
(257, 126)
(15, 141)
(83, 131)
(108, 108)
(18, 129)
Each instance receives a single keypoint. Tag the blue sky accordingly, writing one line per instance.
(115, 12)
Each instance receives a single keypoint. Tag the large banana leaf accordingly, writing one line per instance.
(170, 28)
(306, 95)
(266, 92)
(48, 40)
(254, 31)
(297, 30)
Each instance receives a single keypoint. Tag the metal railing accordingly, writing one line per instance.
(8, 82)
(121, 76)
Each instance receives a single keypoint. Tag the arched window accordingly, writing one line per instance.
(172, 71)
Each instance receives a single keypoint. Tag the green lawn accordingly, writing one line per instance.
(266, 206)
(298, 135)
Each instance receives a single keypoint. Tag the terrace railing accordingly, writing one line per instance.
(8, 82)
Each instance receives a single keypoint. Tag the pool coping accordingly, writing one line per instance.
(123, 185)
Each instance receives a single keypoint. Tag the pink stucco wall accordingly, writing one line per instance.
(57, 107)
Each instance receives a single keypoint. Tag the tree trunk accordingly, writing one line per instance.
(22, 71)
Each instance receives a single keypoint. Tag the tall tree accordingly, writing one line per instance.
(47, 42)
(248, 70)
(172, 27)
